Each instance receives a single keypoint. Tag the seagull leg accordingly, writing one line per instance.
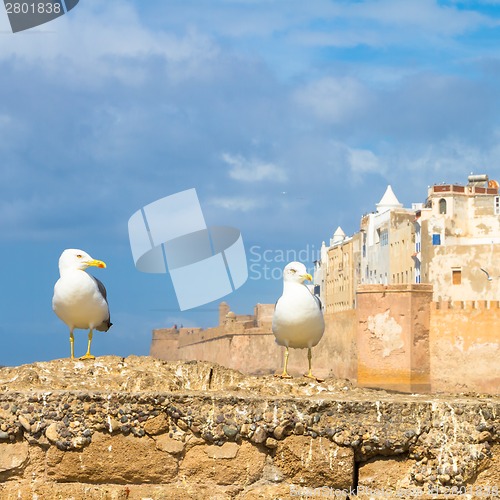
(88, 355)
(309, 374)
(72, 343)
(285, 366)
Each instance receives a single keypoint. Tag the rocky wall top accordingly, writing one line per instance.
(64, 403)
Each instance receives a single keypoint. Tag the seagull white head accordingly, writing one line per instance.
(296, 272)
(72, 259)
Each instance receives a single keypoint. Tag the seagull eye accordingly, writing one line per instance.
(79, 256)
(293, 271)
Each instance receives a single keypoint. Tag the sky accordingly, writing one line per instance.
(289, 118)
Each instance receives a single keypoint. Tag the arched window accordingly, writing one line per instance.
(442, 206)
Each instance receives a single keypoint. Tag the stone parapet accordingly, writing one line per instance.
(139, 428)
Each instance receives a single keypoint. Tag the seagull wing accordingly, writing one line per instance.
(318, 301)
(106, 324)
(102, 288)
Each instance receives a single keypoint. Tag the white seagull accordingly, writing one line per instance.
(298, 319)
(79, 298)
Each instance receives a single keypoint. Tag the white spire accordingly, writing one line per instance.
(338, 236)
(388, 201)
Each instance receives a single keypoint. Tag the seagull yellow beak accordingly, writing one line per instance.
(307, 277)
(96, 263)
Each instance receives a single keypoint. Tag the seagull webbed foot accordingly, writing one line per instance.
(283, 375)
(313, 377)
(87, 356)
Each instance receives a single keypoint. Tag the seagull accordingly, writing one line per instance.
(298, 318)
(79, 298)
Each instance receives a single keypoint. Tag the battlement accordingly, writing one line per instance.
(465, 305)
(230, 325)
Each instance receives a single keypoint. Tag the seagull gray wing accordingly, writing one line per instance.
(102, 288)
(106, 324)
(318, 301)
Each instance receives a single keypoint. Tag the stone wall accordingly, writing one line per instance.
(139, 428)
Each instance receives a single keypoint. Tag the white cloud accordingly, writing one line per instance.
(236, 203)
(452, 158)
(381, 23)
(333, 99)
(100, 40)
(426, 15)
(364, 161)
(253, 170)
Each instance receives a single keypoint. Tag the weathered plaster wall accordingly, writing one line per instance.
(139, 428)
(393, 337)
(465, 346)
(474, 282)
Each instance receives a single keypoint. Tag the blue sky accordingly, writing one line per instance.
(288, 117)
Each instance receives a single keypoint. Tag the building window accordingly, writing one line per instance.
(384, 237)
(436, 239)
(456, 275)
(442, 206)
(497, 205)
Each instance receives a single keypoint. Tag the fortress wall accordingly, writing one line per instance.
(264, 313)
(247, 353)
(336, 353)
(395, 339)
(165, 344)
(465, 346)
(254, 351)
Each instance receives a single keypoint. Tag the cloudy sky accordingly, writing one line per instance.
(289, 118)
